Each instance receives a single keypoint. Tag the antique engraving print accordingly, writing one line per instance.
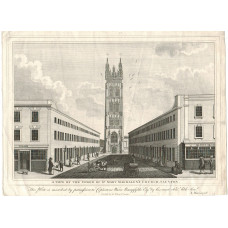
(113, 109)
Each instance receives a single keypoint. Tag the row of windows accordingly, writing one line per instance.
(114, 91)
(70, 137)
(67, 124)
(196, 152)
(114, 121)
(35, 116)
(197, 114)
(114, 106)
(34, 135)
(154, 152)
(155, 125)
(163, 135)
(35, 154)
(62, 154)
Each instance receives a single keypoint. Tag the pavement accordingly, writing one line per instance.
(45, 175)
(189, 173)
(115, 170)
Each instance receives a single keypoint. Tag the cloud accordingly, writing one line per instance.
(34, 70)
(90, 99)
(174, 49)
(148, 97)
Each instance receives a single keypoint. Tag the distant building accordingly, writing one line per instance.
(126, 138)
(113, 132)
(41, 131)
(182, 134)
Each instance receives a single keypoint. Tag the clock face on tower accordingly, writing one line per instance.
(113, 108)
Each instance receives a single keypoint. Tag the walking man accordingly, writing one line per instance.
(61, 165)
(211, 163)
(78, 160)
(202, 164)
(50, 166)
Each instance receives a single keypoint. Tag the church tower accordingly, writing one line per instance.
(113, 131)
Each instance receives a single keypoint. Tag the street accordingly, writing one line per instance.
(115, 170)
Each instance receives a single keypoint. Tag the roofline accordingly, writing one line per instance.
(74, 120)
(50, 106)
(171, 110)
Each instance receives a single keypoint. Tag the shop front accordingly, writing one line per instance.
(192, 153)
(34, 160)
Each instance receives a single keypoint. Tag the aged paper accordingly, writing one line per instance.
(114, 113)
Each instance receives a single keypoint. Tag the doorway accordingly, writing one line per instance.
(114, 149)
(24, 160)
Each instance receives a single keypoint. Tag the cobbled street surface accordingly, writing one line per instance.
(115, 170)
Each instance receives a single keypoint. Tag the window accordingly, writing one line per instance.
(116, 107)
(114, 137)
(199, 111)
(56, 155)
(38, 154)
(111, 121)
(196, 152)
(117, 92)
(35, 135)
(199, 132)
(17, 135)
(174, 133)
(35, 117)
(55, 135)
(55, 120)
(15, 154)
(17, 117)
(110, 106)
(173, 154)
(173, 117)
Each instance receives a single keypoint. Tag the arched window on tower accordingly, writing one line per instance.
(117, 92)
(114, 137)
(111, 91)
(111, 106)
(116, 107)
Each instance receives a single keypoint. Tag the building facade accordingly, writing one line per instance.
(182, 134)
(41, 131)
(113, 132)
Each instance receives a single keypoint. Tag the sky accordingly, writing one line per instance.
(72, 75)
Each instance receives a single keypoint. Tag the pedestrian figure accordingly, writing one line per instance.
(211, 163)
(50, 166)
(202, 164)
(70, 162)
(78, 160)
(88, 156)
(133, 158)
(61, 166)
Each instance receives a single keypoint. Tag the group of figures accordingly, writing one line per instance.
(59, 166)
(203, 164)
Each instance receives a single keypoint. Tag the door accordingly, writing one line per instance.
(24, 160)
(114, 149)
